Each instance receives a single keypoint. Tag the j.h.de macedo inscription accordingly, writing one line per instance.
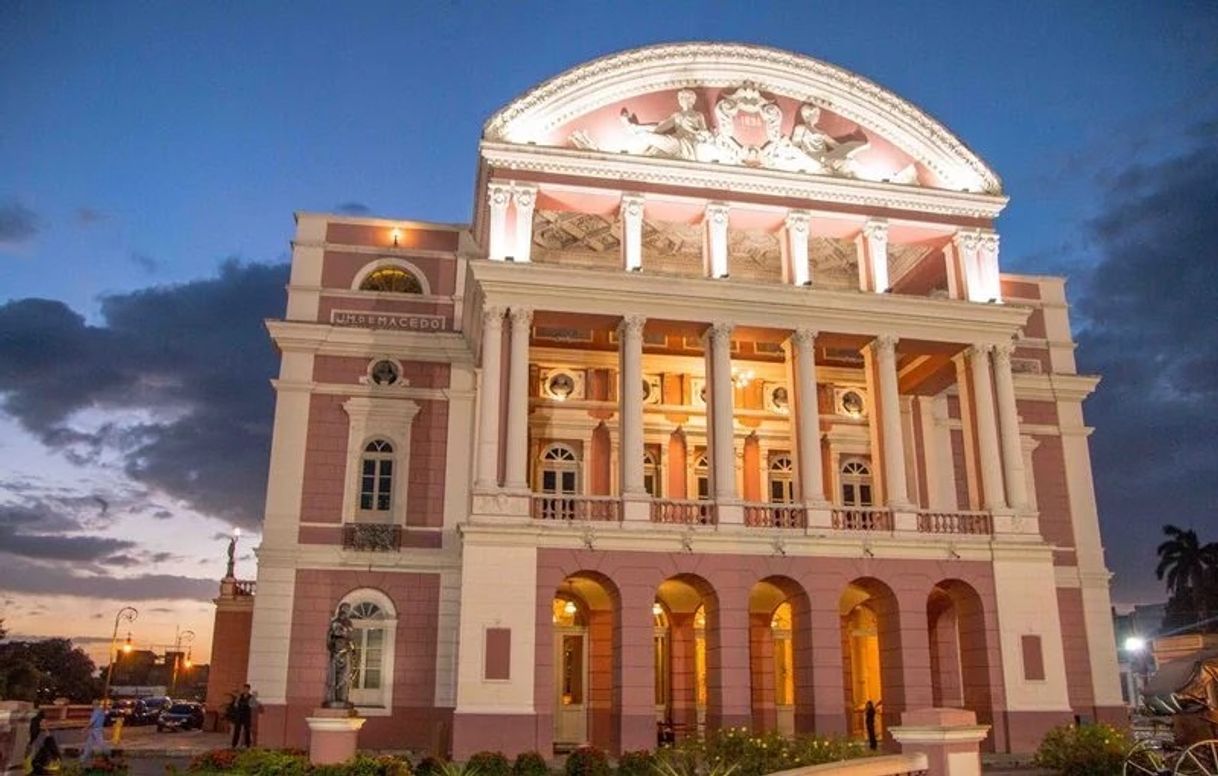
(393, 321)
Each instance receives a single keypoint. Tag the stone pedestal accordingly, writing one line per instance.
(950, 739)
(15, 719)
(333, 734)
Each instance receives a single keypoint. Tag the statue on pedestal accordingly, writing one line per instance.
(232, 560)
(341, 666)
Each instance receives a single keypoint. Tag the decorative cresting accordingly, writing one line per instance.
(751, 73)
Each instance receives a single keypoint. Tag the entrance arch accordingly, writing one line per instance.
(959, 649)
(871, 653)
(688, 662)
(780, 664)
(585, 608)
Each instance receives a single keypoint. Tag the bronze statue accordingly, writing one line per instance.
(341, 667)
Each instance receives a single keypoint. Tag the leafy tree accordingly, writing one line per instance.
(45, 670)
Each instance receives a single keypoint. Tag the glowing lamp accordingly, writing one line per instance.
(1135, 644)
(127, 645)
(656, 609)
(396, 234)
(570, 608)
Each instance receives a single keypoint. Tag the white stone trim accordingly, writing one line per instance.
(378, 418)
(402, 264)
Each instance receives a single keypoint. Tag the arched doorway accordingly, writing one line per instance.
(779, 656)
(685, 663)
(584, 610)
(871, 654)
(959, 649)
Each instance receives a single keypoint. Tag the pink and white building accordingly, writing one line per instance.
(720, 412)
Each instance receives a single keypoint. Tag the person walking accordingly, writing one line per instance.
(242, 716)
(869, 712)
(42, 752)
(94, 733)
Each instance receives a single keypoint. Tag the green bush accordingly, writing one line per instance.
(587, 761)
(429, 766)
(530, 764)
(271, 762)
(215, 760)
(742, 753)
(490, 764)
(1083, 750)
(641, 763)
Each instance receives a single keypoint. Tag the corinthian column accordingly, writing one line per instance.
(883, 348)
(987, 432)
(487, 476)
(795, 247)
(807, 418)
(630, 394)
(875, 255)
(524, 197)
(632, 232)
(722, 437)
(516, 452)
(1008, 425)
(498, 195)
(715, 224)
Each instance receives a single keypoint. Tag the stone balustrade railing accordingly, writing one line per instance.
(967, 523)
(571, 508)
(683, 511)
(768, 515)
(861, 519)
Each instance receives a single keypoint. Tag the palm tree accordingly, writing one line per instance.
(1187, 566)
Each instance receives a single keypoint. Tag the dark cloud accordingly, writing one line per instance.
(145, 262)
(1150, 329)
(44, 531)
(17, 222)
(18, 575)
(195, 358)
(353, 209)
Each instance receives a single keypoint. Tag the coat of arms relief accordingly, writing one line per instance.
(747, 131)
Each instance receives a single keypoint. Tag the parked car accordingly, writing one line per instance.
(156, 704)
(143, 713)
(120, 709)
(181, 716)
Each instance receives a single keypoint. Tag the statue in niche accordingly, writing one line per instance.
(814, 150)
(340, 669)
(683, 135)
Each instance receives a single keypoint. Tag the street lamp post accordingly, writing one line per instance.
(128, 613)
(188, 636)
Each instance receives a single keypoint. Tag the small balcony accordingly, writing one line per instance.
(673, 511)
(958, 523)
(861, 519)
(372, 537)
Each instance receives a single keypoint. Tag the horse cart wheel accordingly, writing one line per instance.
(1200, 759)
(1145, 759)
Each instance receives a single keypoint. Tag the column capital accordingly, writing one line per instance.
(498, 195)
(1003, 353)
(716, 212)
(885, 344)
(805, 335)
(966, 239)
(797, 220)
(979, 349)
(988, 241)
(631, 325)
(632, 205)
(492, 315)
(522, 317)
(524, 196)
(876, 229)
(720, 329)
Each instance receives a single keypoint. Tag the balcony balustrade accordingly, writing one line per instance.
(861, 519)
(767, 515)
(683, 512)
(967, 523)
(372, 537)
(245, 587)
(571, 508)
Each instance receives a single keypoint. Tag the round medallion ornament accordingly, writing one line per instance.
(385, 372)
(852, 403)
(560, 386)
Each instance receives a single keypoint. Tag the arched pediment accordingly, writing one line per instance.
(746, 105)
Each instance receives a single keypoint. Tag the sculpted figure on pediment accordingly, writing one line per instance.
(683, 135)
(812, 149)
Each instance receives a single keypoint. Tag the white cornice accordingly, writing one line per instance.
(627, 74)
(329, 340)
(617, 169)
(1055, 387)
(576, 290)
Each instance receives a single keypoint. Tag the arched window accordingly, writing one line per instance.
(376, 478)
(782, 480)
(559, 470)
(373, 621)
(393, 280)
(651, 474)
(856, 483)
(701, 477)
